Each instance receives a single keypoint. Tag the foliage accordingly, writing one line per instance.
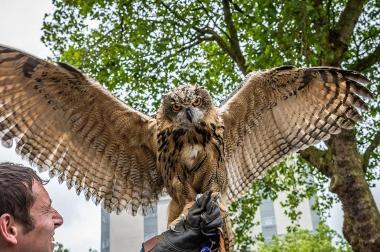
(293, 176)
(144, 48)
(321, 240)
(141, 49)
(58, 247)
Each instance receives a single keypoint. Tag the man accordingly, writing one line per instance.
(28, 220)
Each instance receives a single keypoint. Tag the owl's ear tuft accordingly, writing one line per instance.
(164, 98)
(199, 87)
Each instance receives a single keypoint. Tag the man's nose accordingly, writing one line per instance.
(58, 220)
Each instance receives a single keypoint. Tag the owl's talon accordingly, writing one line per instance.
(173, 224)
(217, 196)
(172, 227)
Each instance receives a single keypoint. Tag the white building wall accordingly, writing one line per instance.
(283, 221)
(162, 213)
(257, 229)
(126, 232)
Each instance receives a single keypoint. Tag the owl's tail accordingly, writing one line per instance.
(227, 237)
(226, 241)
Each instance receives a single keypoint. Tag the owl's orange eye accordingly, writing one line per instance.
(197, 102)
(176, 107)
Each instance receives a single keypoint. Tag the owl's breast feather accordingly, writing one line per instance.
(190, 155)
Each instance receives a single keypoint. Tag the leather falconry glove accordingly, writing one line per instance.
(201, 227)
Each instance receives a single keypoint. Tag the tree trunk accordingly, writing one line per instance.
(361, 226)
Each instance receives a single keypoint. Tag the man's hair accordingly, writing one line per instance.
(16, 195)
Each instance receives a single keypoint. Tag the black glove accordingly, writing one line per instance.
(200, 227)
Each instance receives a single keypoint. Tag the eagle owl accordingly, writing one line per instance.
(66, 123)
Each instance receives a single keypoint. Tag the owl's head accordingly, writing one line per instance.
(186, 105)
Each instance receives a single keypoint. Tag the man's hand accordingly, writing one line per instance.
(201, 226)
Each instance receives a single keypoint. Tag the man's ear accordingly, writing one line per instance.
(9, 229)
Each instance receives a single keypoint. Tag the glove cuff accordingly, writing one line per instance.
(149, 245)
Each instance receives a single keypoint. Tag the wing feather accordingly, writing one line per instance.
(63, 122)
(283, 110)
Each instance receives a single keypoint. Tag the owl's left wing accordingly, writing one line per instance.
(64, 122)
(283, 110)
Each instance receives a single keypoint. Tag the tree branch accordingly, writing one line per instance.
(369, 151)
(318, 20)
(348, 19)
(176, 50)
(340, 35)
(322, 160)
(237, 55)
(203, 31)
(211, 18)
(232, 50)
(225, 47)
(368, 61)
(194, 43)
(236, 7)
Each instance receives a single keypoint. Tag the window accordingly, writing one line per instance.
(268, 220)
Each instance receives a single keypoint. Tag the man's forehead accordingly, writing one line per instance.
(40, 192)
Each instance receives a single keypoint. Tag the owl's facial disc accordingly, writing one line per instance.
(187, 105)
(189, 116)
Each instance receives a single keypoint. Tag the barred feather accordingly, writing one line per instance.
(283, 110)
(66, 123)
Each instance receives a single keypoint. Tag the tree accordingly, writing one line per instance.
(141, 49)
(58, 247)
(303, 240)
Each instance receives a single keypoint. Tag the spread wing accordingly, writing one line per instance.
(283, 110)
(64, 122)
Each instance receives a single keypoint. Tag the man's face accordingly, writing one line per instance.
(45, 219)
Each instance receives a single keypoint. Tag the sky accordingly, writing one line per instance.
(20, 27)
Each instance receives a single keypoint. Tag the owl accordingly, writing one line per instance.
(67, 124)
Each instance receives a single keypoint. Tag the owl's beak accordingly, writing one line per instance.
(189, 114)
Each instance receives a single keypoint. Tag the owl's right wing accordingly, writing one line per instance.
(283, 110)
(64, 122)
